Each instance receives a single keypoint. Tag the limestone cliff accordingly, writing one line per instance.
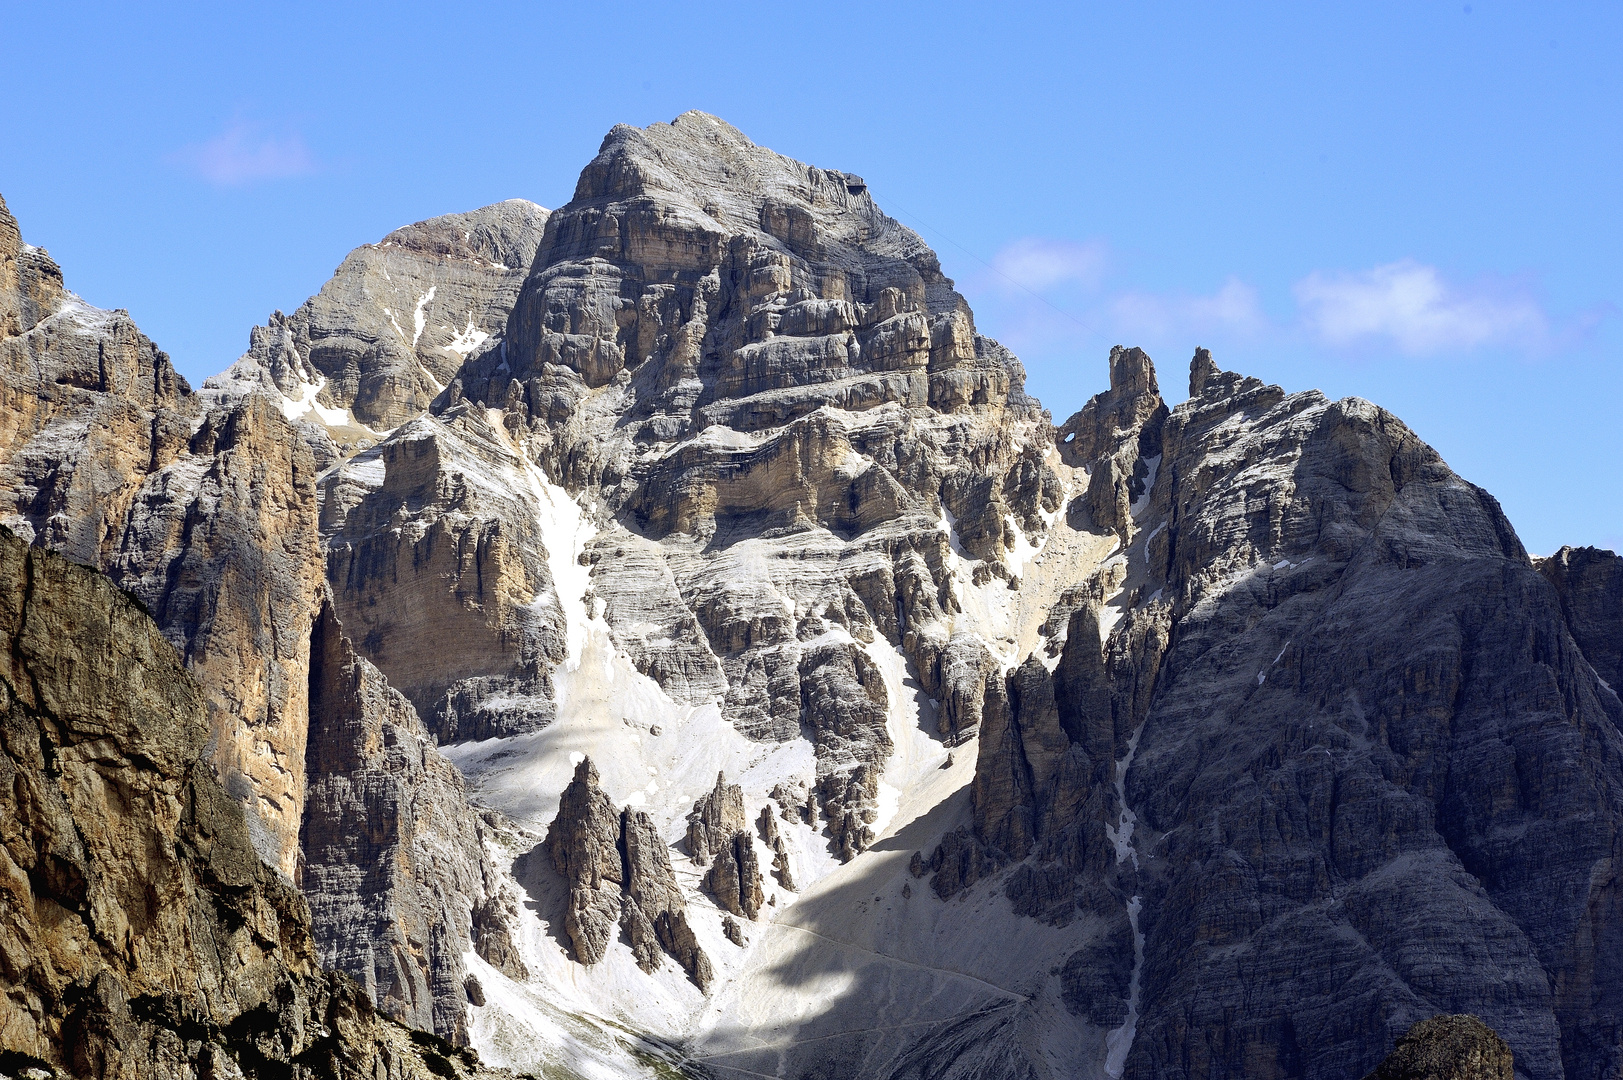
(1225, 737)
(395, 322)
(204, 506)
(140, 935)
(771, 418)
(205, 511)
(393, 863)
(619, 873)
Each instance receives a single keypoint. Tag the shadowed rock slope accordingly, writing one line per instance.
(394, 867)
(140, 935)
(1324, 744)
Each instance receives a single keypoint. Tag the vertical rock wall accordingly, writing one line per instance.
(140, 934)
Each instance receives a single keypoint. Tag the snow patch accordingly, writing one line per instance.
(467, 340)
(395, 323)
(565, 532)
(1158, 530)
(419, 318)
(1143, 501)
(76, 311)
(1121, 834)
(1024, 550)
(1120, 1041)
(306, 403)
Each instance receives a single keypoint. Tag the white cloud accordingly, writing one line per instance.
(1043, 294)
(243, 154)
(1411, 305)
(1232, 309)
(1038, 263)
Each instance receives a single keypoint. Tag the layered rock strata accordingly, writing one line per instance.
(439, 533)
(738, 418)
(1281, 742)
(381, 339)
(1320, 715)
(140, 935)
(785, 420)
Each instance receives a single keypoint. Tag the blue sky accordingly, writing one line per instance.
(1414, 203)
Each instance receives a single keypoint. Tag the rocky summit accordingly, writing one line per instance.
(661, 636)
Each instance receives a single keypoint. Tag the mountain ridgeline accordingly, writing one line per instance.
(662, 635)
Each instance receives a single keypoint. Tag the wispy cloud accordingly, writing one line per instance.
(1232, 309)
(244, 153)
(1044, 294)
(1039, 263)
(1412, 306)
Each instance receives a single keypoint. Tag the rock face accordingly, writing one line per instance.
(140, 935)
(718, 835)
(393, 326)
(394, 866)
(773, 838)
(203, 510)
(716, 818)
(1280, 741)
(362, 360)
(844, 701)
(619, 873)
(439, 531)
(1448, 1048)
(584, 844)
(204, 506)
(785, 421)
(655, 912)
(1336, 721)
(1590, 584)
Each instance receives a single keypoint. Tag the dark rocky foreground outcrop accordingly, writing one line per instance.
(140, 934)
(1448, 1048)
(200, 505)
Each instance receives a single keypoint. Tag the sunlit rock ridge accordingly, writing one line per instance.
(808, 703)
